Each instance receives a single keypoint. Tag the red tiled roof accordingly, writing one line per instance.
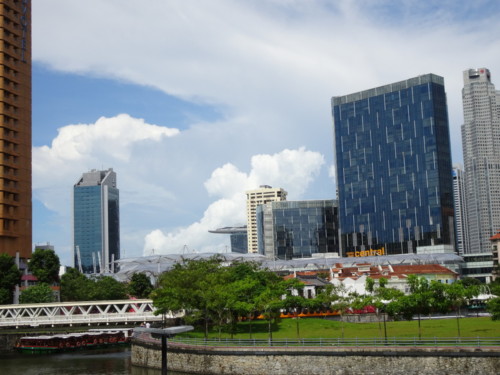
(495, 237)
(29, 277)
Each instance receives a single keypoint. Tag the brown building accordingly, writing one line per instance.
(15, 127)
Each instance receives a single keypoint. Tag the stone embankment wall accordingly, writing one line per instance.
(318, 361)
(7, 342)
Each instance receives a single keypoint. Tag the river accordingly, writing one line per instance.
(90, 362)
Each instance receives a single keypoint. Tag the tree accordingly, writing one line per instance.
(140, 285)
(44, 264)
(458, 294)
(418, 302)
(425, 297)
(379, 298)
(107, 288)
(245, 281)
(493, 307)
(294, 299)
(40, 293)
(269, 301)
(10, 276)
(335, 297)
(188, 287)
(369, 285)
(383, 297)
(75, 286)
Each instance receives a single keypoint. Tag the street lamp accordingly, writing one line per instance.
(164, 333)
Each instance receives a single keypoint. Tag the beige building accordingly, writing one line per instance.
(15, 127)
(262, 195)
(496, 255)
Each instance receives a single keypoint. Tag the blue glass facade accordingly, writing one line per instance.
(88, 225)
(393, 160)
(297, 229)
(96, 222)
(239, 242)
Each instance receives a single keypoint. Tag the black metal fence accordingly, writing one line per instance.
(346, 342)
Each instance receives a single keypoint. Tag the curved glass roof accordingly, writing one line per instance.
(156, 264)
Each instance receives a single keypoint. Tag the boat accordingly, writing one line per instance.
(73, 341)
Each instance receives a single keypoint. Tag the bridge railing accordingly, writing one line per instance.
(345, 342)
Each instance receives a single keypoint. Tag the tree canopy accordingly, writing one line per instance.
(140, 285)
(45, 264)
(40, 293)
(75, 286)
(10, 277)
(217, 295)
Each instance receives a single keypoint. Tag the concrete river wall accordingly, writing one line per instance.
(317, 360)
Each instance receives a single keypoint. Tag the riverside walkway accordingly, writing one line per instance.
(78, 313)
(322, 356)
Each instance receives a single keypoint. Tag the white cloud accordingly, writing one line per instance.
(292, 170)
(269, 68)
(276, 63)
(108, 139)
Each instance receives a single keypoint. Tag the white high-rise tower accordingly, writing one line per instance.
(459, 199)
(257, 197)
(481, 151)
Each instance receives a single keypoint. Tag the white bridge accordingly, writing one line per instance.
(78, 313)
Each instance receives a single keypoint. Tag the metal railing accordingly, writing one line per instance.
(345, 342)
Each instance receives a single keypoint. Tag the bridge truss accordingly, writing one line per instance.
(78, 313)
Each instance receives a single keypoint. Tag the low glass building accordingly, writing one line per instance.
(297, 229)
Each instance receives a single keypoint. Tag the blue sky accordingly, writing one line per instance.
(74, 99)
(192, 103)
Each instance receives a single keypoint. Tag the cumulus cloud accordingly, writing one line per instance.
(292, 170)
(109, 142)
(273, 58)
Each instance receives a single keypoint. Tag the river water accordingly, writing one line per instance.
(90, 362)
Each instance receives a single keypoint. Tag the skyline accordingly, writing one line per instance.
(221, 98)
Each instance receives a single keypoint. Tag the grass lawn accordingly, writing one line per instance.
(325, 328)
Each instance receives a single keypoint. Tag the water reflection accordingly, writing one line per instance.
(91, 362)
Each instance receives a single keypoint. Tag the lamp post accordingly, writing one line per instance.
(164, 333)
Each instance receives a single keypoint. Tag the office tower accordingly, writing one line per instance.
(96, 222)
(256, 197)
(481, 151)
(459, 204)
(15, 128)
(297, 229)
(393, 161)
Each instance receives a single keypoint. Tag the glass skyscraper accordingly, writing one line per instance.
(393, 161)
(297, 229)
(96, 222)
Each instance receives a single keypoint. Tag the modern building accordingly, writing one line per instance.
(96, 214)
(15, 128)
(481, 152)
(461, 228)
(496, 255)
(478, 266)
(297, 229)
(256, 197)
(393, 160)
(237, 236)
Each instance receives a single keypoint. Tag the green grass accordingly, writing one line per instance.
(324, 328)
